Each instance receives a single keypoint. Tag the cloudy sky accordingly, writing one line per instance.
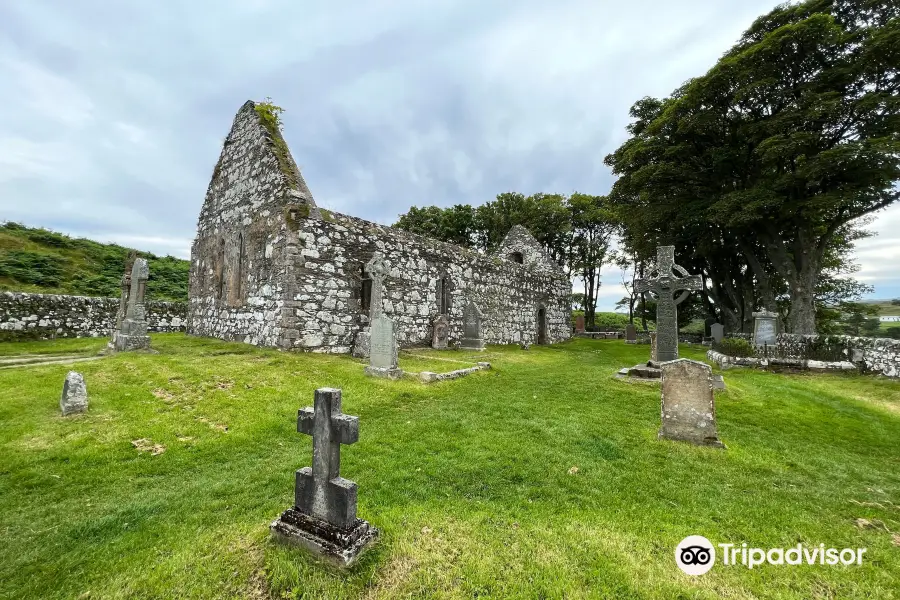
(114, 112)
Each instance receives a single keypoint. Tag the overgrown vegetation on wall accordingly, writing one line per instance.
(42, 261)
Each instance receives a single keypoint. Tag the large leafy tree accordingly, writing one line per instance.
(789, 138)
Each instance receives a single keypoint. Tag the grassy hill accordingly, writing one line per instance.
(43, 261)
(886, 307)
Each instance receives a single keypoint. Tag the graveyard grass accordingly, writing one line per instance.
(541, 478)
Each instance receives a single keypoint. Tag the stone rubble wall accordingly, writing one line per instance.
(873, 355)
(333, 250)
(26, 316)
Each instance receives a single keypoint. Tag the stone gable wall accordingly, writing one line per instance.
(46, 316)
(270, 268)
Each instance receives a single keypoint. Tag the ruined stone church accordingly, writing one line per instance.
(271, 268)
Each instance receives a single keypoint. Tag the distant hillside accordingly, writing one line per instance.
(886, 307)
(42, 261)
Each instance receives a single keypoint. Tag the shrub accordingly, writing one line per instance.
(737, 347)
(31, 268)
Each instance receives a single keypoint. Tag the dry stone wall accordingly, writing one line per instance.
(45, 316)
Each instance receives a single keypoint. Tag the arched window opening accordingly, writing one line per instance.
(443, 295)
(220, 269)
(365, 292)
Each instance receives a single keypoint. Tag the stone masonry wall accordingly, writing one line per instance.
(45, 316)
(329, 270)
(875, 355)
(270, 268)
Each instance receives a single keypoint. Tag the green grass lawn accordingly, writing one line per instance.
(470, 481)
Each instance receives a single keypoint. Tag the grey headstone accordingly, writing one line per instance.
(377, 270)
(323, 518)
(630, 333)
(765, 328)
(717, 331)
(670, 279)
(441, 331)
(133, 333)
(74, 395)
(383, 343)
(473, 339)
(688, 404)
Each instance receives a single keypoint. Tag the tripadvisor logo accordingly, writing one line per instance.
(696, 555)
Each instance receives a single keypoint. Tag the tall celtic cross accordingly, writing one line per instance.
(377, 271)
(320, 491)
(667, 283)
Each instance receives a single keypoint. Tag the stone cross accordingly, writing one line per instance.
(125, 284)
(140, 272)
(664, 285)
(377, 271)
(321, 491)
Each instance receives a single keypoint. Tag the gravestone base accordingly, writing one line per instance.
(711, 442)
(384, 373)
(127, 343)
(339, 546)
(472, 344)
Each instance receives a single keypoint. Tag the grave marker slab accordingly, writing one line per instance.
(630, 334)
(473, 339)
(579, 324)
(133, 333)
(717, 331)
(74, 398)
(670, 278)
(441, 331)
(323, 518)
(765, 328)
(383, 351)
(688, 406)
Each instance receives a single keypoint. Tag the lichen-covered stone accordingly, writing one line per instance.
(74, 397)
(293, 278)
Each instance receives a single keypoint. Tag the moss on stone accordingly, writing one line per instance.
(294, 213)
(270, 117)
(326, 215)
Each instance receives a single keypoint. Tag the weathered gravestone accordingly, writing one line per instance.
(323, 518)
(74, 395)
(383, 351)
(765, 328)
(473, 339)
(688, 405)
(377, 271)
(132, 334)
(579, 324)
(125, 286)
(654, 355)
(630, 334)
(441, 331)
(666, 283)
(717, 330)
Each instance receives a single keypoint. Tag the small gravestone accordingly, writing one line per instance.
(579, 324)
(473, 339)
(323, 518)
(717, 331)
(688, 405)
(765, 328)
(630, 334)
(383, 349)
(441, 330)
(74, 398)
(654, 356)
(132, 334)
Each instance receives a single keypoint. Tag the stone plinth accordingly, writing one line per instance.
(74, 398)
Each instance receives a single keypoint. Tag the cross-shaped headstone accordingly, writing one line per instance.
(666, 283)
(321, 491)
(377, 271)
(140, 272)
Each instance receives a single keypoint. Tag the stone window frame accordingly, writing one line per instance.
(236, 287)
(443, 293)
(517, 257)
(541, 306)
(365, 290)
(220, 269)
